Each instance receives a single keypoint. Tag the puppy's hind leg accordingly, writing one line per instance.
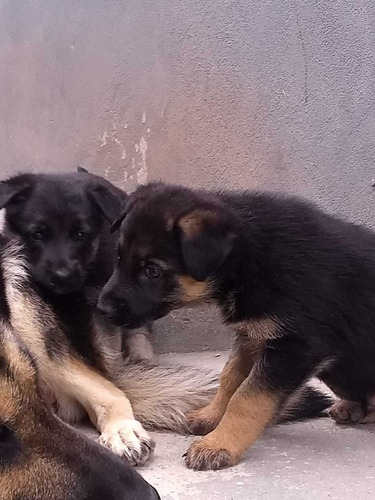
(346, 412)
(352, 412)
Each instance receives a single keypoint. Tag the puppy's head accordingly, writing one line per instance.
(173, 243)
(60, 220)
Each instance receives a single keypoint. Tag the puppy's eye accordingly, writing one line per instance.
(80, 235)
(37, 235)
(152, 271)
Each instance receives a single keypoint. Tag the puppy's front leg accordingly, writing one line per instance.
(280, 369)
(108, 408)
(235, 371)
(247, 414)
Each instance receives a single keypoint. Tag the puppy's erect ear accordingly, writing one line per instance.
(205, 243)
(108, 200)
(12, 192)
(82, 170)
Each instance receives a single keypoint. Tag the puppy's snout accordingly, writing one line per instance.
(61, 275)
(65, 277)
(107, 305)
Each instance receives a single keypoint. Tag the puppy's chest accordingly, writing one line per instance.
(87, 334)
(258, 330)
(95, 341)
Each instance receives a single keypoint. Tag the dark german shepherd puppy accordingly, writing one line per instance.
(62, 223)
(298, 286)
(42, 458)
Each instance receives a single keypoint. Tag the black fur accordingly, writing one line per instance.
(47, 213)
(11, 447)
(312, 404)
(203, 254)
(311, 272)
(61, 220)
(42, 458)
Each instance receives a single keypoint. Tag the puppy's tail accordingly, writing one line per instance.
(161, 395)
(310, 402)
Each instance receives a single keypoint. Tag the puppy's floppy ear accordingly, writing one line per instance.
(82, 170)
(205, 243)
(109, 201)
(12, 192)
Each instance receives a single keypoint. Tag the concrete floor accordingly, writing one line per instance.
(306, 460)
(313, 460)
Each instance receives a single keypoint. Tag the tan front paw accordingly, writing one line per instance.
(202, 421)
(129, 440)
(204, 455)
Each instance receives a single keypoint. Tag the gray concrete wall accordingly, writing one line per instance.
(247, 93)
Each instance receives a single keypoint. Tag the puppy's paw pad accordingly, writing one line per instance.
(201, 457)
(129, 440)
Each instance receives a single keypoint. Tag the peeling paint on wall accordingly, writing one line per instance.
(103, 139)
(123, 150)
(142, 175)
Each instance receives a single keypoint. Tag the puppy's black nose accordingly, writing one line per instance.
(64, 279)
(62, 275)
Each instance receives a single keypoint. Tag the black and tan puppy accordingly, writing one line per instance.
(298, 286)
(41, 458)
(61, 223)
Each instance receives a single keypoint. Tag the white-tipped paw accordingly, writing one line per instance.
(129, 440)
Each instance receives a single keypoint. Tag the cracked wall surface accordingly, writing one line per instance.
(266, 95)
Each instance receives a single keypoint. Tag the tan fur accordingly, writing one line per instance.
(247, 415)
(110, 411)
(191, 291)
(193, 223)
(20, 364)
(108, 342)
(19, 404)
(159, 396)
(21, 368)
(237, 368)
(261, 329)
(241, 409)
(21, 478)
(139, 346)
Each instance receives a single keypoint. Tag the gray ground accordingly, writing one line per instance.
(309, 460)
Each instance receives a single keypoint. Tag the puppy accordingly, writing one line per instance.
(59, 221)
(41, 458)
(62, 222)
(297, 285)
